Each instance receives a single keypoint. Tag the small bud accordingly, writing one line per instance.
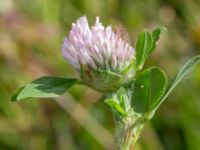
(105, 61)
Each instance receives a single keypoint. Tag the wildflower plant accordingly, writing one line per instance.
(108, 63)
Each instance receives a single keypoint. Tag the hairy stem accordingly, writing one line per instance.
(128, 130)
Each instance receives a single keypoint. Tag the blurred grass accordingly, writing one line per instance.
(31, 34)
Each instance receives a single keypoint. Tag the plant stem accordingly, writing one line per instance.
(128, 129)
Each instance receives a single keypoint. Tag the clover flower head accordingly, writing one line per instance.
(98, 53)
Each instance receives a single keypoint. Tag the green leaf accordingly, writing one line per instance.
(124, 102)
(146, 44)
(149, 87)
(119, 101)
(44, 87)
(143, 46)
(184, 70)
(155, 36)
(115, 106)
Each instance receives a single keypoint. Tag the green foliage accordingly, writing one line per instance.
(149, 87)
(115, 106)
(44, 87)
(119, 102)
(145, 45)
(183, 71)
(180, 118)
(155, 37)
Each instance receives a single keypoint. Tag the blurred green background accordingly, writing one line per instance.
(31, 34)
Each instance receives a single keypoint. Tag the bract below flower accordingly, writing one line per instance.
(104, 60)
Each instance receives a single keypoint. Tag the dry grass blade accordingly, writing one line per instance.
(83, 118)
